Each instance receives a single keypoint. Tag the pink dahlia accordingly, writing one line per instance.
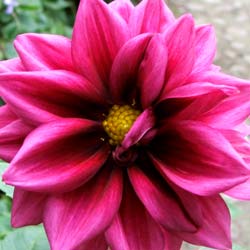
(124, 136)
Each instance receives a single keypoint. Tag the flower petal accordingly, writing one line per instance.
(197, 158)
(123, 74)
(58, 157)
(180, 40)
(123, 7)
(27, 208)
(160, 202)
(43, 96)
(172, 241)
(98, 243)
(152, 71)
(231, 112)
(12, 133)
(133, 228)
(44, 52)
(215, 231)
(10, 65)
(150, 16)
(205, 47)
(98, 34)
(198, 89)
(84, 213)
(139, 129)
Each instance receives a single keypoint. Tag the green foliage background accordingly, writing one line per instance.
(39, 16)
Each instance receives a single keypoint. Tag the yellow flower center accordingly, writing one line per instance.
(118, 122)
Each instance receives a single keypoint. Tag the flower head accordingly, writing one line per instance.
(125, 135)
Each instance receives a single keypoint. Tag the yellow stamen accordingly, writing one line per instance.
(118, 122)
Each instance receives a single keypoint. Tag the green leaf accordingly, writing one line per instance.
(8, 190)
(28, 238)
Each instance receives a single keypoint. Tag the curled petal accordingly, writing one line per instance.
(84, 213)
(98, 34)
(124, 74)
(44, 52)
(150, 16)
(58, 157)
(198, 158)
(27, 208)
(152, 71)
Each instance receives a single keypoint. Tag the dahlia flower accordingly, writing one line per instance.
(124, 136)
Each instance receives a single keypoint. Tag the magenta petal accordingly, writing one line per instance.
(98, 34)
(180, 41)
(44, 52)
(58, 157)
(84, 213)
(198, 89)
(27, 208)
(98, 243)
(123, 74)
(133, 228)
(123, 7)
(141, 126)
(172, 241)
(150, 16)
(161, 203)
(215, 231)
(229, 113)
(205, 48)
(43, 96)
(12, 133)
(198, 158)
(152, 71)
(10, 65)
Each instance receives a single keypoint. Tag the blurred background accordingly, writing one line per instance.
(231, 19)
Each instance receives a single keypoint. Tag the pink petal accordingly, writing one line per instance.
(98, 34)
(44, 52)
(215, 231)
(205, 47)
(98, 243)
(150, 16)
(12, 133)
(43, 96)
(172, 241)
(139, 129)
(71, 219)
(11, 138)
(216, 77)
(198, 89)
(197, 158)
(123, 7)
(229, 113)
(180, 41)
(160, 202)
(14, 64)
(133, 228)
(123, 74)
(152, 71)
(27, 208)
(195, 108)
(58, 157)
